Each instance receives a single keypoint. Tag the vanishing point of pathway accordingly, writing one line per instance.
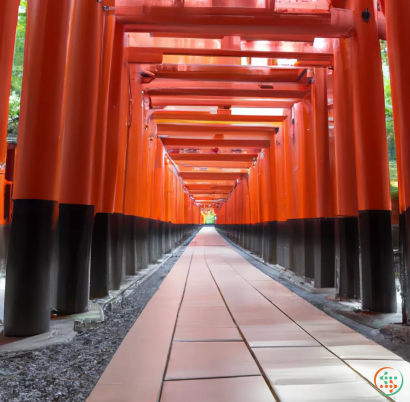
(219, 330)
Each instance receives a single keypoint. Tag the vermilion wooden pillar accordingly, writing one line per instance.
(293, 228)
(309, 204)
(242, 216)
(398, 28)
(113, 123)
(27, 300)
(301, 225)
(254, 207)
(378, 282)
(346, 222)
(75, 222)
(167, 203)
(266, 202)
(8, 22)
(133, 238)
(247, 211)
(141, 158)
(283, 251)
(111, 196)
(273, 209)
(118, 270)
(153, 223)
(100, 254)
(169, 187)
(288, 146)
(324, 254)
(158, 195)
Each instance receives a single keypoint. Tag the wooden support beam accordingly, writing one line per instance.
(236, 21)
(208, 176)
(196, 130)
(211, 72)
(185, 142)
(134, 54)
(261, 92)
(210, 188)
(206, 116)
(214, 157)
(211, 192)
(165, 100)
(291, 85)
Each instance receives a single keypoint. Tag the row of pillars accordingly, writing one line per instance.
(323, 250)
(330, 198)
(93, 198)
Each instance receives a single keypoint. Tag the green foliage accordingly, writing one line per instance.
(209, 218)
(14, 111)
(388, 102)
(389, 120)
(17, 72)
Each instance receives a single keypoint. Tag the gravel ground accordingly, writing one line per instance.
(69, 371)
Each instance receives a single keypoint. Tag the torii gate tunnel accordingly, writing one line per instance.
(138, 117)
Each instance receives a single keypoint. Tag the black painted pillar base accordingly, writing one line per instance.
(376, 248)
(256, 239)
(4, 245)
(157, 240)
(153, 241)
(259, 238)
(404, 240)
(168, 237)
(324, 252)
(347, 258)
(283, 244)
(172, 236)
(298, 247)
(100, 256)
(162, 246)
(27, 300)
(75, 227)
(240, 235)
(265, 242)
(252, 238)
(117, 251)
(151, 256)
(159, 236)
(142, 239)
(129, 245)
(309, 248)
(248, 244)
(273, 229)
(137, 244)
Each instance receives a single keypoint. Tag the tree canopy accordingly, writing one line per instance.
(17, 72)
(389, 120)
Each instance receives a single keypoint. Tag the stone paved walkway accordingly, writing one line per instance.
(220, 330)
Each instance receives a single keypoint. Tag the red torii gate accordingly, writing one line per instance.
(92, 154)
